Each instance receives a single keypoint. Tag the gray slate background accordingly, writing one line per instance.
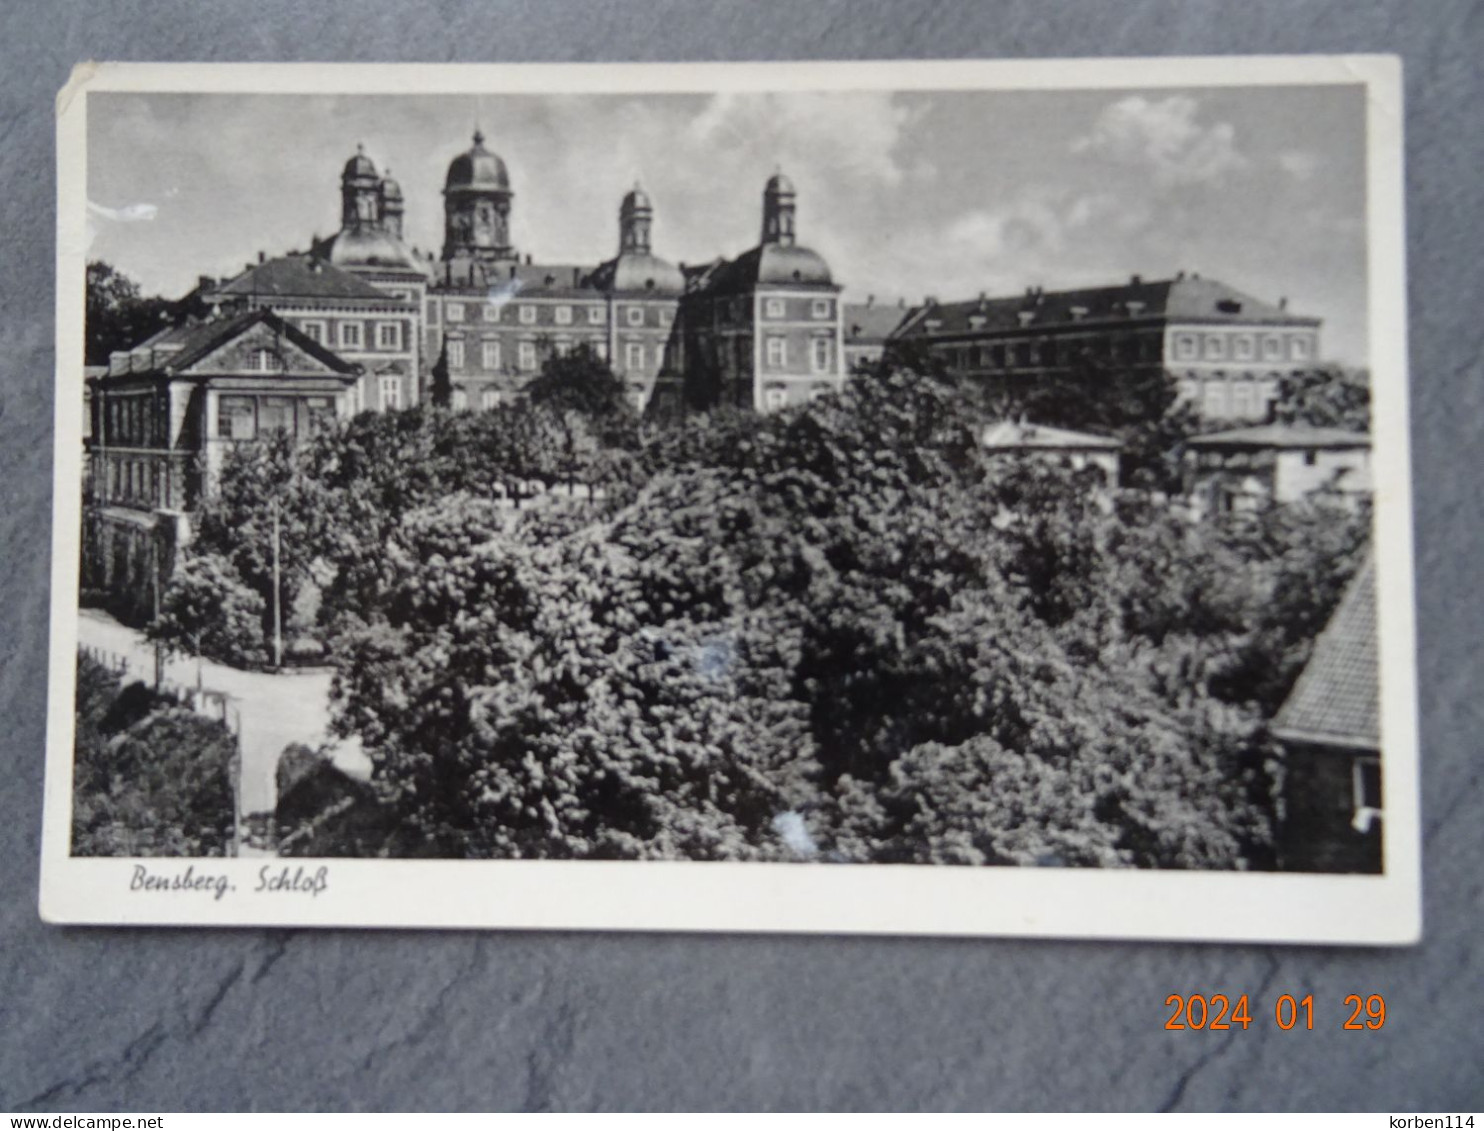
(182, 1020)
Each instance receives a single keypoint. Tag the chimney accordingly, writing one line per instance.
(1134, 280)
(902, 303)
(205, 282)
(1180, 275)
(528, 259)
(870, 301)
(262, 256)
(1283, 302)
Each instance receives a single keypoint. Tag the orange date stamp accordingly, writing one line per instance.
(1220, 1012)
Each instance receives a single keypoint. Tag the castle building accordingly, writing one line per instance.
(164, 415)
(494, 317)
(1227, 350)
(1244, 470)
(763, 330)
(376, 329)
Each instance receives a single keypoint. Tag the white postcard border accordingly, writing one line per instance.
(692, 896)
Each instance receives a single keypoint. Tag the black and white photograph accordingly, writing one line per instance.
(881, 497)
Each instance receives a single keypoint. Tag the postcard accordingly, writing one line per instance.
(904, 497)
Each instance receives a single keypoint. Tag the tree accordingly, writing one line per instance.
(1326, 396)
(209, 611)
(118, 316)
(150, 778)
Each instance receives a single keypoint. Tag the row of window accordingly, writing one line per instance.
(562, 315)
(527, 358)
(142, 482)
(1242, 347)
(248, 417)
(776, 396)
(1030, 354)
(1247, 399)
(131, 422)
(821, 353)
(737, 309)
(353, 336)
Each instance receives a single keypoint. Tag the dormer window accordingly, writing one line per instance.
(1229, 306)
(1078, 313)
(934, 324)
(1026, 316)
(977, 321)
(1135, 307)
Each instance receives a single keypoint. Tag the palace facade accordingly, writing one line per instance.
(1227, 350)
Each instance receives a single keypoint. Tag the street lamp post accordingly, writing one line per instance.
(277, 596)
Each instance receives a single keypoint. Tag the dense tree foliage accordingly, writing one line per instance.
(208, 611)
(1326, 396)
(150, 777)
(835, 632)
(118, 316)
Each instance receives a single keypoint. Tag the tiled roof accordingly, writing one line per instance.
(1282, 436)
(1337, 697)
(769, 264)
(869, 323)
(1010, 435)
(503, 281)
(1186, 298)
(196, 340)
(300, 276)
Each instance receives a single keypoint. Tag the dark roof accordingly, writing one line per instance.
(1336, 700)
(300, 276)
(769, 264)
(869, 323)
(633, 272)
(477, 169)
(1282, 436)
(194, 341)
(510, 278)
(1185, 298)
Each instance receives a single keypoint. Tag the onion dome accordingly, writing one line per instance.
(359, 167)
(390, 189)
(477, 170)
(635, 200)
(779, 185)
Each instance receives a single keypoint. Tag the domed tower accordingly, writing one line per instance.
(476, 206)
(360, 193)
(392, 206)
(634, 217)
(778, 211)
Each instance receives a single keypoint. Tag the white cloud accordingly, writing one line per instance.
(1299, 164)
(1164, 137)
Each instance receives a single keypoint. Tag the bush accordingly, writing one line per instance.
(150, 777)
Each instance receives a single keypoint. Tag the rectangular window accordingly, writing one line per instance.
(775, 399)
(350, 335)
(489, 355)
(265, 361)
(1215, 347)
(1242, 398)
(390, 390)
(773, 308)
(820, 308)
(635, 315)
(1215, 399)
(455, 312)
(596, 316)
(389, 335)
(1298, 349)
(1243, 347)
(1185, 347)
(276, 414)
(777, 353)
(1272, 347)
(489, 399)
(490, 312)
(633, 356)
(314, 331)
(564, 316)
(455, 354)
(528, 355)
(236, 418)
(821, 355)
(460, 400)
(527, 315)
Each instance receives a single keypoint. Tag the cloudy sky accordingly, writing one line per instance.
(906, 194)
